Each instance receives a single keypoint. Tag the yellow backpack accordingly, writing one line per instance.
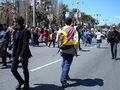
(68, 37)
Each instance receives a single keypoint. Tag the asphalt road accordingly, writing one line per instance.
(93, 69)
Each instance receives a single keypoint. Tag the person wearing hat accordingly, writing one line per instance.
(21, 53)
(113, 38)
(68, 49)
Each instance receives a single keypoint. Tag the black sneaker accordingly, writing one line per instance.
(26, 87)
(112, 57)
(4, 65)
(64, 84)
(18, 87)
(68, 78)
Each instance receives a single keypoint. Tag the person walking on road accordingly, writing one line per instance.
(2, 45)
(86, 36)
(21, 53)
(113, 38)
(68, 49)
(52, 38)
(99, 38)
(46, 36)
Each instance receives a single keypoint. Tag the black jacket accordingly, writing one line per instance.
(21, 44)
(113, 37)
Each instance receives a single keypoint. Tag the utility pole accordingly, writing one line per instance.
(17, 7)
(26, 12)
(34, 24)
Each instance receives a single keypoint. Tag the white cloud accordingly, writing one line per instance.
(117, 17)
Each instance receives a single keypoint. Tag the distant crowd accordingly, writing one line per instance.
(48, 36)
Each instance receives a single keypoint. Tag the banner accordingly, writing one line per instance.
(37, 4)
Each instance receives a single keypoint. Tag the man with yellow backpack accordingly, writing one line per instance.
(68, 37)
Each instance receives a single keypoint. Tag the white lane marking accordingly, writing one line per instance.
(45, 65)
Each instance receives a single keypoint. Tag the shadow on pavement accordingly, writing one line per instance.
(85, 50)
(8, 67)
(78, 82)
(87, 82)
(5, 67)
(118, 58)
(46, 87)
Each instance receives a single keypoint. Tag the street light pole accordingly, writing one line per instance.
(76, 14)
(97, 16)
(50, 16)
(26, 12)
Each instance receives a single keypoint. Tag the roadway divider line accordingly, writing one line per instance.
(46, 65)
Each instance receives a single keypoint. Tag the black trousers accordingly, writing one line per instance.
(6, 54)
(14, 71)
(114, 49)
(52, 41)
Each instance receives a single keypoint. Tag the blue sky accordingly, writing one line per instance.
(109, 9)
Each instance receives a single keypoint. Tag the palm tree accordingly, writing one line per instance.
(87, 18)
(73, 14)
(7, 9)
(41, 17)
(62, 11)
(73, 11)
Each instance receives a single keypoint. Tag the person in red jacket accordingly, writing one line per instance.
(46, 36)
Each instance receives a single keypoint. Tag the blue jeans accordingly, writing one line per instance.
(67, 60)
(99, 43)
(86, 41)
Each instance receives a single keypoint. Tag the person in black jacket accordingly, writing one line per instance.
(113, 39)
(21, 53)
(2, 46)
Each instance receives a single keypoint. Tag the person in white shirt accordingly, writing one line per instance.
(99, 38)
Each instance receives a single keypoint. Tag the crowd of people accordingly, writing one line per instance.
(40, 35)
(18, 38)
(47, 36)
